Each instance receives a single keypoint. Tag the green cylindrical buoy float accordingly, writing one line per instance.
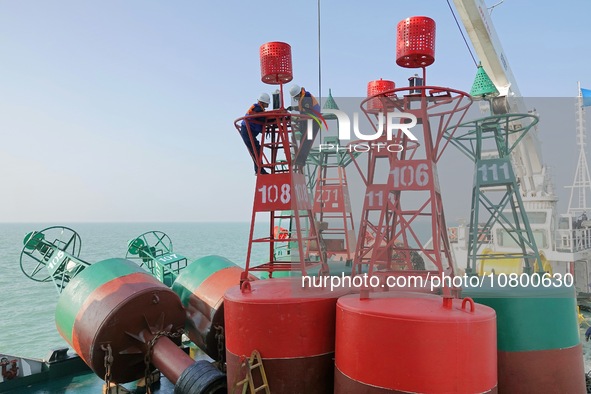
(120, 320)
(539, 349)
(116, 306)
(201, 287)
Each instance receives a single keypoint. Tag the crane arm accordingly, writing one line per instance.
(527, 157)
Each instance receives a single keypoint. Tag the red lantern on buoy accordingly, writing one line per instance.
(276, 63)
(415, 44)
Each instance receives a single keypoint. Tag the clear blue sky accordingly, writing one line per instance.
(123, 110)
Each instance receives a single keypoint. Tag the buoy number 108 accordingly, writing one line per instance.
(282, 193)
(274, 193)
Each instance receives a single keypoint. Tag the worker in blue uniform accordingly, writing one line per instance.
(255, 127)
(306, 105)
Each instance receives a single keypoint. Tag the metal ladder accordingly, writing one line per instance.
(247, 383)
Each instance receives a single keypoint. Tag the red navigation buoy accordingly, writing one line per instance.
(414, 343)
(291, 327)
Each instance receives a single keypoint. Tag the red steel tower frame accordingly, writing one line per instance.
(282, 194)
(402, 188)
(404, 193)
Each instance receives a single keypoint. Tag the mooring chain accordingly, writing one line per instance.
(148, 355)
(221, 347)
(108, 363)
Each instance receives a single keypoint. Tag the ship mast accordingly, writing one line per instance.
(582, 181)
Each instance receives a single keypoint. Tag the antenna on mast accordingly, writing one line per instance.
(582, 181)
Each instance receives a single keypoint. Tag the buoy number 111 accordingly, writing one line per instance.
(493, 170)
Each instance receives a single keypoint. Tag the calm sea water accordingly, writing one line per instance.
(27, 326)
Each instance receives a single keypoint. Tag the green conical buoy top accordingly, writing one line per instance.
(482, 85)
(330, 104)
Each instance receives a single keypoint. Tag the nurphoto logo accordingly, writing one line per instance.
(391, 121)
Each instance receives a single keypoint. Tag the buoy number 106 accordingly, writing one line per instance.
(409, 176)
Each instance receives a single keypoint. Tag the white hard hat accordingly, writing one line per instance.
(294, 90)
(265, 98)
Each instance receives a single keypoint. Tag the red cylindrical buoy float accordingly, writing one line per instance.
(414, 343)
(415, 44)
(276, 63)
(291, 327)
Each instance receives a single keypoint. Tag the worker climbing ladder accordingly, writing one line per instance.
(281, 195)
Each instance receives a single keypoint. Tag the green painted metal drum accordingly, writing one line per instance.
(539, 349)
(115, 303)
(201, 287)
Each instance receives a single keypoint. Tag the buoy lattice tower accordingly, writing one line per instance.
(403, 195)
(281, 195)
(496, 199)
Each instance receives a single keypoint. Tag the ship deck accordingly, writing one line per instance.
(72, 375)
(86, 383)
